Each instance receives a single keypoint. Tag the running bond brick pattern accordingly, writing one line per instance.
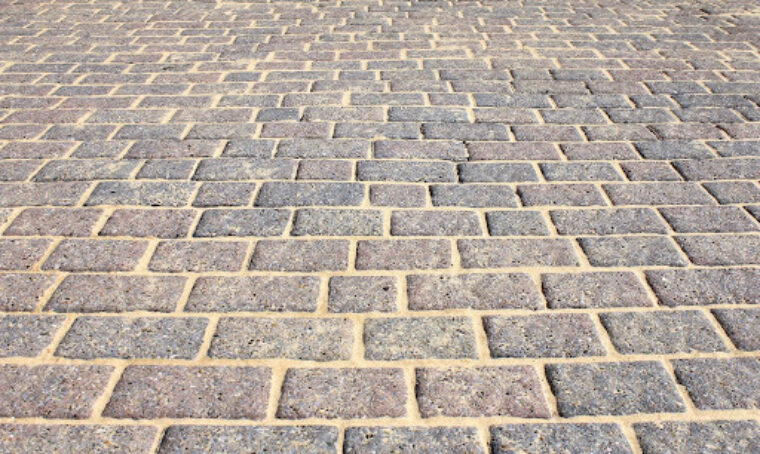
(380, 226)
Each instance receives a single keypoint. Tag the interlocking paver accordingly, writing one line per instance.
(569, 437)
(417, 338)
(319, 439)
(708, 437)
(399, 439)
(720, 383)
(742, 326)
(21, 438)
(111, 293)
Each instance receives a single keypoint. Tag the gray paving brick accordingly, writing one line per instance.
(475, 172)
(300, 255)
(166, 169)
(486, 151)
(705, 286)
(631, 251)
(720, 169)
(579, 171)
(320, 222)
(493, 253)
(539, 336)
(149, 223)
(342, 393)
(480, 391)
(417, 149)
(179, 256)
(322, 169)
(616, 388)
(242, 222)
(389, 339)
(397, 195)
(558, 194)
(313, 339)
(734, 191)
(708, 437)
(563, 437)
(148, 193)
(661, 193)
(742, 326)
(27, 335)
(407, 254)
(476, 291)
(94, 255)
(650, 171)
(712, 219)
(721, 250)
(284, 439)
(607, 221)
(473, 195)
(516, 223)
(362, 294)
(732, 383)
(422, 439)
(417, 172)
(254, 293)
(668, 150)
(595, 289)
(435, 223)
(278, 194)
(456, 131)
(22, 438)
(54, 222)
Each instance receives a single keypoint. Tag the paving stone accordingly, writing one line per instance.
(668, 150)
(540, 336)
(435, 223)
(254, 293)
(397, 195)
(607, 221)
(721, 250)
(418, 149)
(320, 222)
(486, 151)
(615, 388)
(190, 392)
(416, 172)
(595, 289)
(390, 339)
(456, 131)
(741, 326)
(86, 169)
(148, 193)
(21, 254)
(473, 195)
(277, 194)
(661, 332)
(579, 171)
(708, 437)
(156, 149)
(731, 383)
(300, 255)
(111, 293)
(631, 251)
(420, 439)
(563, 437)
(60, 391)
(26, 335)
(121, 337)
(244, 169)
(516, 223)
(493, 253)
(158, 223)
(313, 339)
(403, 254)
(650, 171)
(95, 255)
(284, 439)
(215, 194)
(480, 391)
(321, 169)
(720, 169)
(167, 169)
(476, 291)
(705, 286)
(22, 438)
(342, 393)
(199, 256)
(734, 191)
(712, 219)
(661, 193)
(599, 151)
(242, 222)
(475, 172)
(251, 148)
(560, 194)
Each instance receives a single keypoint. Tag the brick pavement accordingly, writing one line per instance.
(379, 226)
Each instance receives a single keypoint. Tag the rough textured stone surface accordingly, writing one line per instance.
(607, 221)
(23, 438)
(27, 335)
(21, 254)
(403, 254)
(54, 222)
(435, 223)
(705, 286)
(545, 438)
(362, 294)
(418, 338)
(254, 293)
(178, 256)
(709, 437)
(23, 292)
(90, 255)
(319, 439)
(297, 255)
(149, 223)
(324, 222)
(721, 250)
(720, 383)
(631, 251)
(537, 336)
(406, 439)
(254, 222)
(476, 291)
(516, 252)
(109, 293)
(742, 326)
(516, 223)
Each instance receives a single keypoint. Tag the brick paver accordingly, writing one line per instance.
(379, 226)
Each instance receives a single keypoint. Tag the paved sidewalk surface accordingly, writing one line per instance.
(380, 226)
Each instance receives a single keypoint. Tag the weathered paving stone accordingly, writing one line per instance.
(362, 294)
(734, 191)
(435, 223)
(156, 149)
(300, 255)
(278, 194)
(607, 221)
(708, 437)
(342, 393)
(22, 438)
(397, 195)
(631, 251)
(190, 392)
(516, 223)
(417, 149)
(313, 339)
(60, 391)
(592, 290)
(558, 194)
(122, 337)
(579, 171)
(54, 222)
(477, 172)
(214, 193)
(406, 171)
(387, 440)
(166, 169)
(713, 219)
(207, 255)
(650, 171)
(540, 336)
(705, 286)
(661, 332)
(407, 254)
(486, 151)
(86, 169)
(617, 388)
(26, 335)
(668, 150)
(731, 383)
(35, 194)
(389, 339)
(476, 291)
(242, 222)
(146, 193)
(111, 293)
(473, 195)
(158, 223)
(284, 439)
(492, 253)
(95, 255)
(21, 254)
(742, 326)
(321, 222)
(480, 391)
(254, 293)
(723, 250)
(244, 169)
(660, 193)
(564, 437)
(720, 169)
(321, 169)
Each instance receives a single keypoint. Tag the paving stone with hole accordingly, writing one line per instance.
(60, 391)
(342, 393)
(661, 332)
(390, 339)
(285, 439)
(179, 256)
(54, 222)
(403, 254)
(721, 250)
(388, 440)
(631, 251)
(96, 255)
(312, 339)
(327, 222)
(492, 253)
(742, 326)
(480, 391)
(158, 223)
(111, 293)
(24, 438)
(720, 384)
(242, 222)
(190, 392)
(542, 336)
(435, 223)
(476, 291)
(300, 255)
(563, 437)
(362, 294)
(607, 221)
(616, 388)
(254, 294)
(126, 338)
(27, 335)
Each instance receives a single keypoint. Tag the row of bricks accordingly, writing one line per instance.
(358, 294)
(600, 388)
(265, 222)
(304, 194)
(79, 255)
(708, 437)
(383, 339)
